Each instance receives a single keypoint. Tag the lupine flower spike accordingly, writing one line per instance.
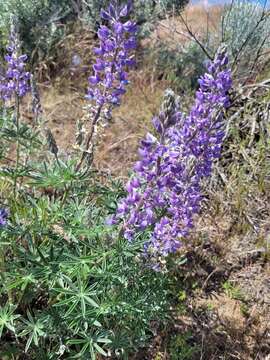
(165, 191)
(117, 41)
(15, 80)
(114, 56)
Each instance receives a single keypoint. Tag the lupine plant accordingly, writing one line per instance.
(14, 84)
(72, 286)
(165, 193)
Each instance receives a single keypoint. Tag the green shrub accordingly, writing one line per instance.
(180, 66)
(245, 28)
(181, 347)
(44, 23)
(40, 24)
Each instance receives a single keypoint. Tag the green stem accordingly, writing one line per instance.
(17, 121)
(90, 137)
(3, 274)
(65, 196)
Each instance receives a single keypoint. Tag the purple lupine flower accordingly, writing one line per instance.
(165, 192)
(15, 80)
(3, 217)
(117, 40)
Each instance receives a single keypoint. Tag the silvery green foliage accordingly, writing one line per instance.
(181, 66)
(38, 22)
(149, 12)
(245, 28)
(42, 22)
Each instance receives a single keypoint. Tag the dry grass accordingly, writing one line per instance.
(200, 20)
(118, 142)
(118, 148)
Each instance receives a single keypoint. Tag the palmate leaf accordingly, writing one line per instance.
(58, 176)
(7, 318)
(25, 135)
(98, 267)
(21, 281)
(90, 344)
(21, 171)
(77, 294)
(34, 328)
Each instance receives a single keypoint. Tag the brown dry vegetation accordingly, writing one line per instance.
(200, 20)
(224, 307)
(227, 291)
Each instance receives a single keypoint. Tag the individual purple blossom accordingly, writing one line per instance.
(117, 40)
(3, 217)
(15, 80)
(165, 192)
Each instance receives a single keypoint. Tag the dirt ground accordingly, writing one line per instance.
(226, 294)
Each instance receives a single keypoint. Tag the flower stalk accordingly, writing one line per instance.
(107, 84)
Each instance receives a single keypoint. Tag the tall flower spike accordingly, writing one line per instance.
(15, 80)
(117, 40)
(165, 192)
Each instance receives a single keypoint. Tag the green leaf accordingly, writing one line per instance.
(100, 350)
